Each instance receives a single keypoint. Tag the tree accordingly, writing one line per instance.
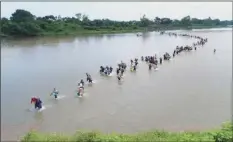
(144, 21)
(4, 21)
(85, 19)
(23, 23)
(49, 18)
(216, 21)
(157, 20)
(11, 29)
(196, 21)
(165, 21)
(78, 16)
(207, 21)
(186, 21)
(176, 22)
(29, 29)
(21, 15)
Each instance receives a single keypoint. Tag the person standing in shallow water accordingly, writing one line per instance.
(150, 66)
(160, 60)
(214, 50)
(174, 53)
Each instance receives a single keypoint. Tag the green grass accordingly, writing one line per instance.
(109, 31)
(83, 32)
(223, 134)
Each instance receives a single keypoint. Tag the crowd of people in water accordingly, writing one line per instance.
(152, 61)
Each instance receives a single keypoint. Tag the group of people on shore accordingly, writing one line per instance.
(120, 70)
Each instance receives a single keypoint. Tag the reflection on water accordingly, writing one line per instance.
(34, 42)
(198, 82)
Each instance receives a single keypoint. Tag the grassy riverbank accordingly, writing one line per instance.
(22, 23)
(94, 32)
(86, 32)
(223, 134)
(79, 31)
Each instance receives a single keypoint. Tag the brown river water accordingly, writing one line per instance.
(190, 92)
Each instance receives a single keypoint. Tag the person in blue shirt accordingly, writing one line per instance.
(54, 93)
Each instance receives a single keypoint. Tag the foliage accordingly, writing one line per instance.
(219, 135)
(24, 23)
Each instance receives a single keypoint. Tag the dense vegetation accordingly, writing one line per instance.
(219, 135)
(24, 23)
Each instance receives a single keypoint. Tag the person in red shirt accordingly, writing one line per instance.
(37, 102)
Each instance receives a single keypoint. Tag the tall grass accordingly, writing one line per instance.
(223, 134)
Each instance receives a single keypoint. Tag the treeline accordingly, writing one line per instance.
(24, 23)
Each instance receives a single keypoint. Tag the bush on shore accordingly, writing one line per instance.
(223, 134)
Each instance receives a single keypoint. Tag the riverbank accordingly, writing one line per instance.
(223, 134)
(99, 32)
(93, 32)
(78, 32)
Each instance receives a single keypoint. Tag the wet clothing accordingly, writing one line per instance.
(122, 71)
(88, 76)
(101, 69)
(80, 91)
(119, 78)
(80, 85)
(160, 60)
(89, 79)
(134, 68)
(156, 62)
(110, 70)
(82, 82)
(38, 104)
(106, 71)
(54, 93)
(118, 71)
(150, 66)
(37, 101)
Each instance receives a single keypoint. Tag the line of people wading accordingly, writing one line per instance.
(153, 60)
(120, 70)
